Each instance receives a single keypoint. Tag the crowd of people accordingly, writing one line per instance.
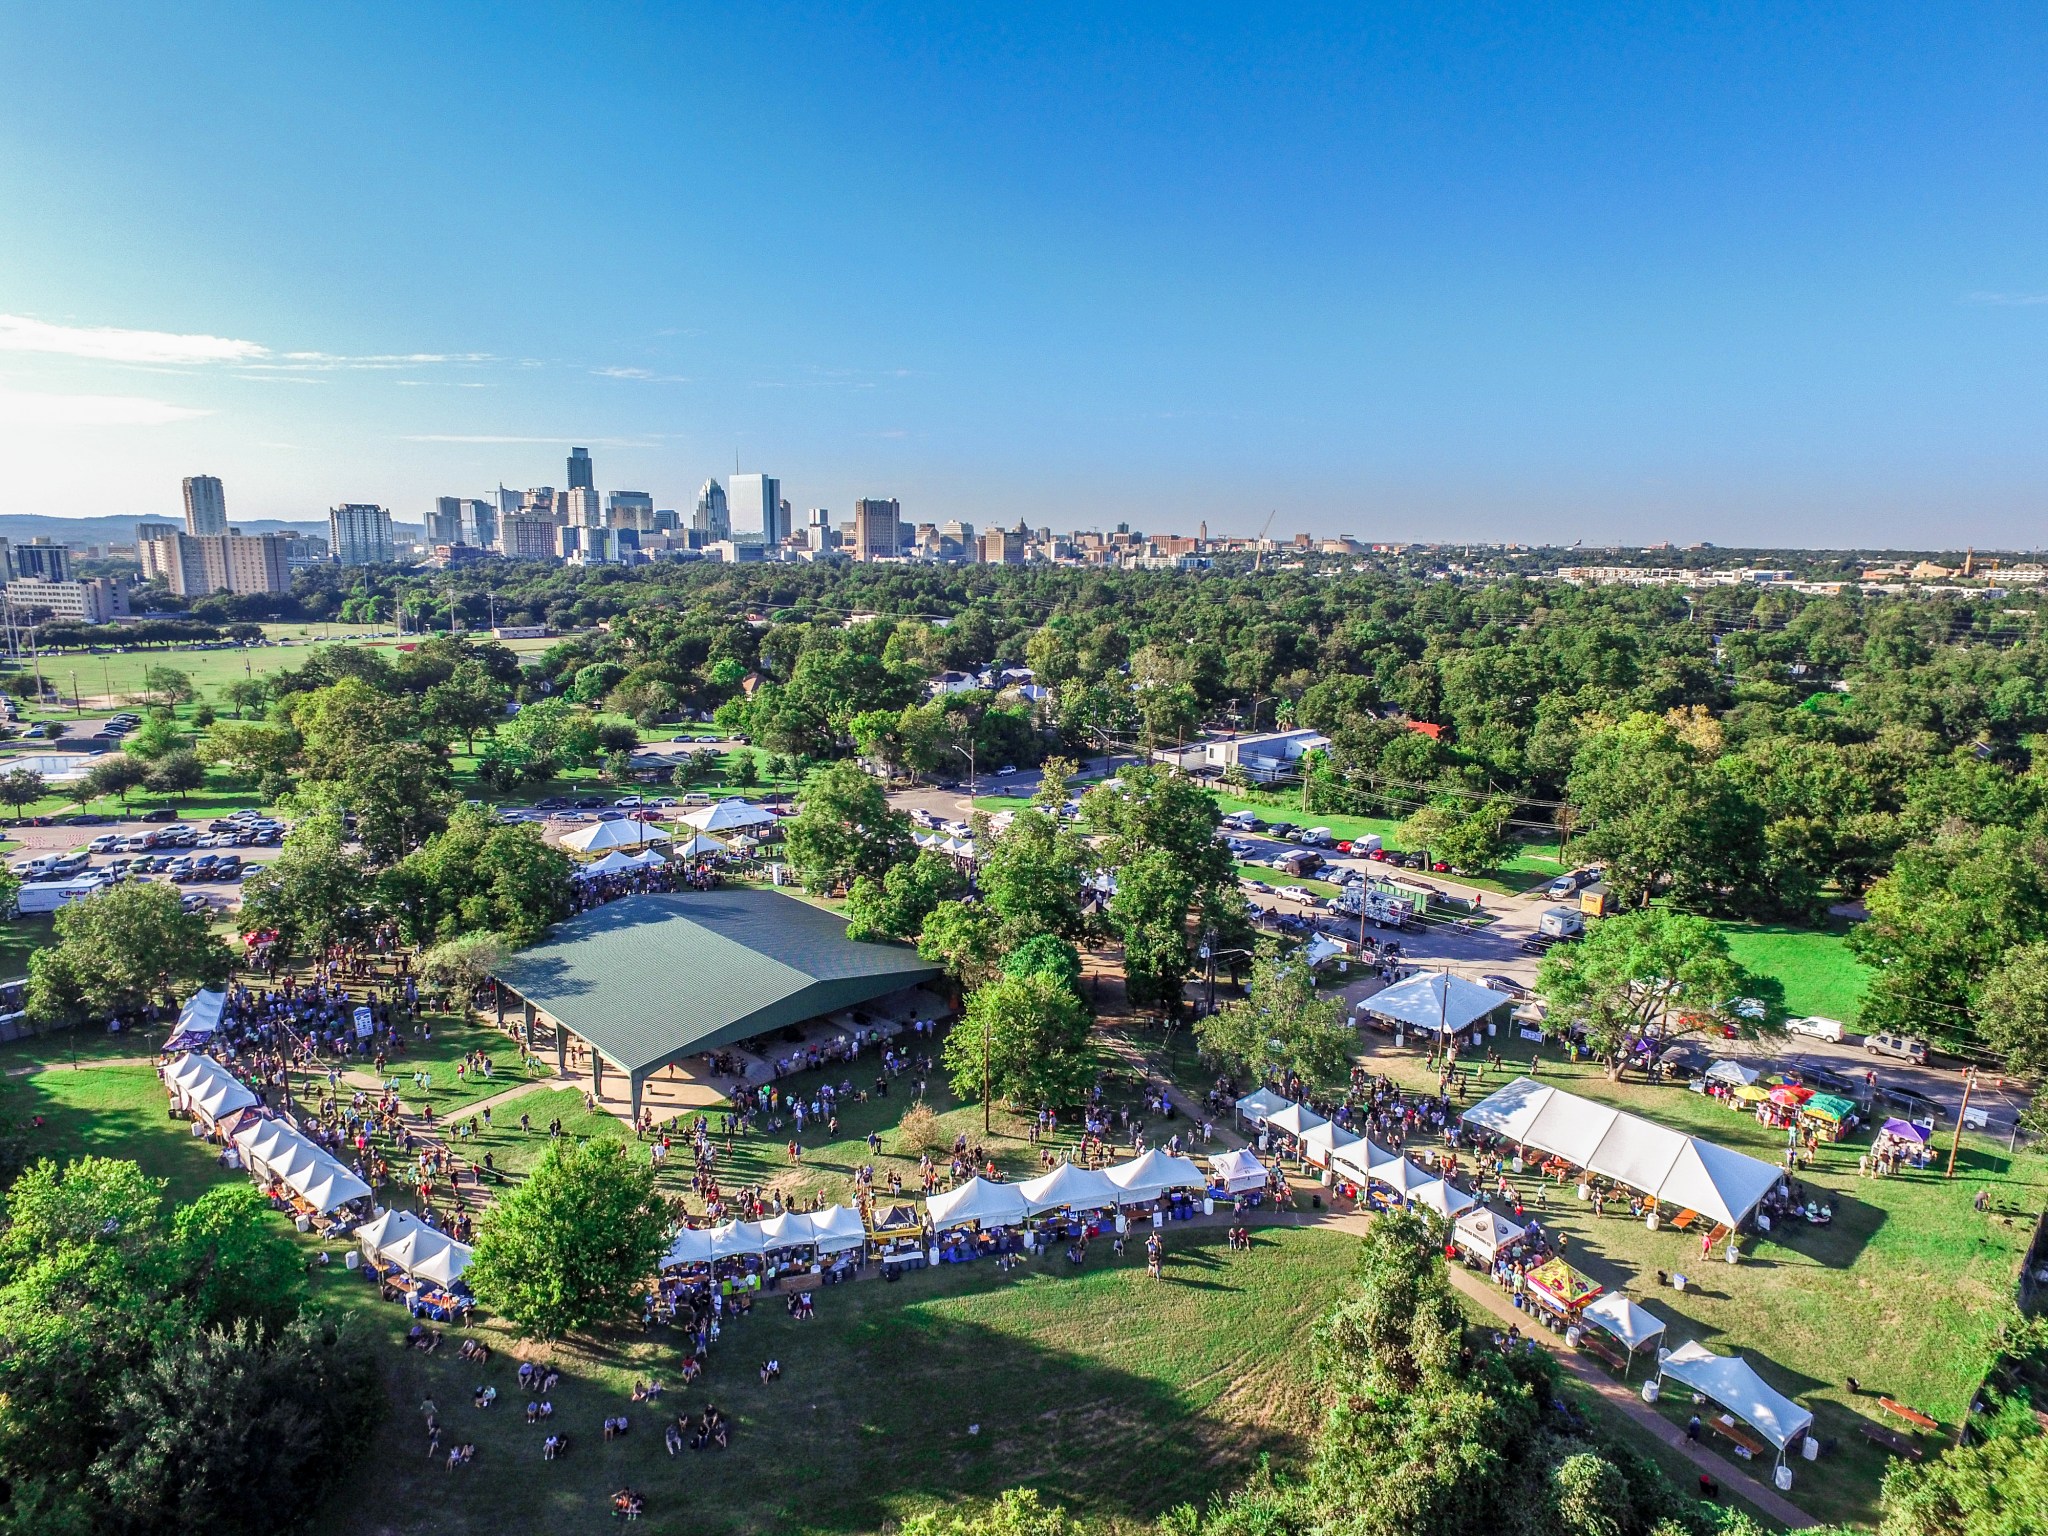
(595, 891)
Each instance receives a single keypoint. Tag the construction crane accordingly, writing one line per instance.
(1259, 544)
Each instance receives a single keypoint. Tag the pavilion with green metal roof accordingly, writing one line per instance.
(646, 981)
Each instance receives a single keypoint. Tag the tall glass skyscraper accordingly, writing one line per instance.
(757, 509)
(582, 474)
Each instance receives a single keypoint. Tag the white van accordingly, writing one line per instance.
(1817, 1028)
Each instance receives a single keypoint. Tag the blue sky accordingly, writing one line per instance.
(1765, 274)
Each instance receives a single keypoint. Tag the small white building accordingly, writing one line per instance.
(1265, 757)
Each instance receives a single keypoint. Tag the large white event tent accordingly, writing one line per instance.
(201, 1013)
(1733, 1382)
(624, 833)
(1483, 1234)
(692, 1246)
(1238, 1171)
(1733, 1073)
(699, 847)
(1319, 1143)
(273, 1150)
(838, 1228)
(619, 863)
(1152, 1175)
(1443, 1197)
(206, 1088)
(1402, 1177)
(729, 816)
(1081, 1189)
(1361, 1160)
(1437, 1002)
(1635, 1326)
(428, 1254)
(1262, 1104)
(1295, 1120)
(385, 1228)
(978, 1200)
(1678, 1169)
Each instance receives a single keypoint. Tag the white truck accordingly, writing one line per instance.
(49, 895)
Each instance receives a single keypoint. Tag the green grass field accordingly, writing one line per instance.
(1816, 969)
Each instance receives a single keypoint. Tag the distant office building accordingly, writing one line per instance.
(582, 475)
(510, 501)
(98, 601)
(1003, 546)
(206, 505)
(757, 509)
(40, 560)
(926, 541)
(578, 507)
(527, 535)
(876, 525)
(666, 521)
(198, 565)
(956, 541)
(359, 533)
(303, 549)
(444, 523)
(148, 533)
(735, 551)
(541, 498)
(629, 509)
(712, 518)
(480, 524)
(580, 544)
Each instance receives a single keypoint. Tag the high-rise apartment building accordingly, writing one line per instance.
(713, 517)
(444, 523)
(582, 473)
(527, 535)
(198, 565)
(757, 508)
(206, 505)
(876, 528)
(359, 533)
(578, 507)
(98, 601)
(480, 523)
(40, 560)
(630, 509)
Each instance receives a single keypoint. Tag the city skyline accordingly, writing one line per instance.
(1740, 278)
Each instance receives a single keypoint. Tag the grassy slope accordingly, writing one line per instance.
(1817, 970)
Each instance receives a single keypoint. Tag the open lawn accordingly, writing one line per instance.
(1905, 1290)
(1815, 967)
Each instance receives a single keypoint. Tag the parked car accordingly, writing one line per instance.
(1509, 985)
(1817, 1028)
(1902, 1047)
(627, 803)
(1006, 770)
(1562, 887)
(106, 842)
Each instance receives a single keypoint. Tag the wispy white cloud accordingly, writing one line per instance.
(643, 375)
(2020, 300)
(111, 344)
(23, 408)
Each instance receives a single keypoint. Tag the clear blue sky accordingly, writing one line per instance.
(1765, 273)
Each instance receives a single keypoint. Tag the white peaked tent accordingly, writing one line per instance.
(384, 1228)
(729, 816)
(1436, 1002)
(1262, 1105)
(692, 1246)
(1733, 1382)
(1082, 1189)
(618, 863)
(1321, 948)
(1361, 1159)
(273, 1150)
(1733, 1073)
(1631, 1324)
(445, 1265)
(1676, 1168)
(1319, 1143)
(428, 1254)
(1443, 1197)
(1483, 1234)
(206, 1088)
(1402, 1177)
(792, 1229)
(624, 833)
(1238, 1171)
(201, 1013)
(737, 1239)
(978, 1200)
(1152, 1175)
(1295, 1120)
(699, 847)
(838, 1228)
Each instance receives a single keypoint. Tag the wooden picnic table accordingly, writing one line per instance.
(1683, 1220)
(1890, 1439)
(1731, 1429)
(1912, 1416)
(1599, 1344)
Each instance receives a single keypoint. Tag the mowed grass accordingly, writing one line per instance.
(1905, 1290)
(1117, 1394)
(105, 1110)
(1815, 967)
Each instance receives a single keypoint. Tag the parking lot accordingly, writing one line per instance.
(206, 861)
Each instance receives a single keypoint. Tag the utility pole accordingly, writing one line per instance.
(76, 708)
(1956, 1141)
(988, 1029)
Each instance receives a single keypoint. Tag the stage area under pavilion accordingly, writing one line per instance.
(646, 981)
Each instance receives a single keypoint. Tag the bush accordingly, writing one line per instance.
(919, 1131)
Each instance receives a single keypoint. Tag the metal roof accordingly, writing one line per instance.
(647, 980)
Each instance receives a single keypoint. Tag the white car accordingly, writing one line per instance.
(1818, 1028)
(1005, 771)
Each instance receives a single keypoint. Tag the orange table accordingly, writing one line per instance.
(1912, 1416)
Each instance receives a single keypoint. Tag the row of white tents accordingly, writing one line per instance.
(272, 1150)
(1138, 1182)
(400, 1238)
(205, 1089)
(1328, 1145)
(833, 1230)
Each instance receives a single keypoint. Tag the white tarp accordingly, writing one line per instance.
(1621, 1317)
(201, 1013)
(692, 1246)
(1483, 1234)
(838, 1228)
(729, 816)
(1152, 1175)
(1437, 1002)
(1733, 1382)
(792, 1229)
(1082, 1189)
(206, 1088)
(1263, 1104)
(1443, 1197)
(1239, 1171)
(624, 833)
(1682, 1170)
(1402, 1176)
(978, 1200)
(1320, 1142)
(1295, 1119)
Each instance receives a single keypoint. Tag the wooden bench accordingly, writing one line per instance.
(1912, 1416)
(1890, 1439)
(1721, 1230)
(1683, 1220)
(1736, 1434)
(1599, 1344)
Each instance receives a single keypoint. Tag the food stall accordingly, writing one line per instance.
(1484, 1235)
(1559, 1291)
(1830, 1115)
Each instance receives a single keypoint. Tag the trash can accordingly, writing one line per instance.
(1810, 1448)
(1208, 1206)
(1783, 1478)
(1650, 1390)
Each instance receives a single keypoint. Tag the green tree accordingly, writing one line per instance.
(1281, 1022)
(462, 964)
(177, 773)
(156, 737)
(478, 875)
(896, 906)
(247, 694)
(250, 749)
(235, 1259)
(1157, 831)
(1661, 815)
(1467, 835)
(120, 948)
(20, 786)
(1046, 954)
(168, 686)
(1030, 876)
(844, 829)
(316, 892)
(1645, 979)
(116, 774)
(1149, 912)
(2012, 1011)
(471, 700)
(743, 770)
(399, 793)
(966, 938)
(1024, 1039)
(1994, 1487)
(573, 1246)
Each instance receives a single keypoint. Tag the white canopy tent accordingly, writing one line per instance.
(838, 1228)
(1321, 948)
(1360, 1159)
(201, 1013)
(273, 1150)
(1633, 1325)
(1733, 1073)
(385, 1227)
(428, 1254)
(620, 863)
(978, 1201)
(1239, 1171)
(692, 1246)
(1402, 1177)
(737, 1239)
(1676, 1168)
(1081, 1189)
(1733, 1382)
(1295, 1120)
(1436, 1002)
(1483, 1234)
(206, 1089)
(624, 833)
(1443, 1197)
(729, 816)
(792, 1229)
(1263, 1104)
(699, 847)
(1152, 1175)
(1319, 1143)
